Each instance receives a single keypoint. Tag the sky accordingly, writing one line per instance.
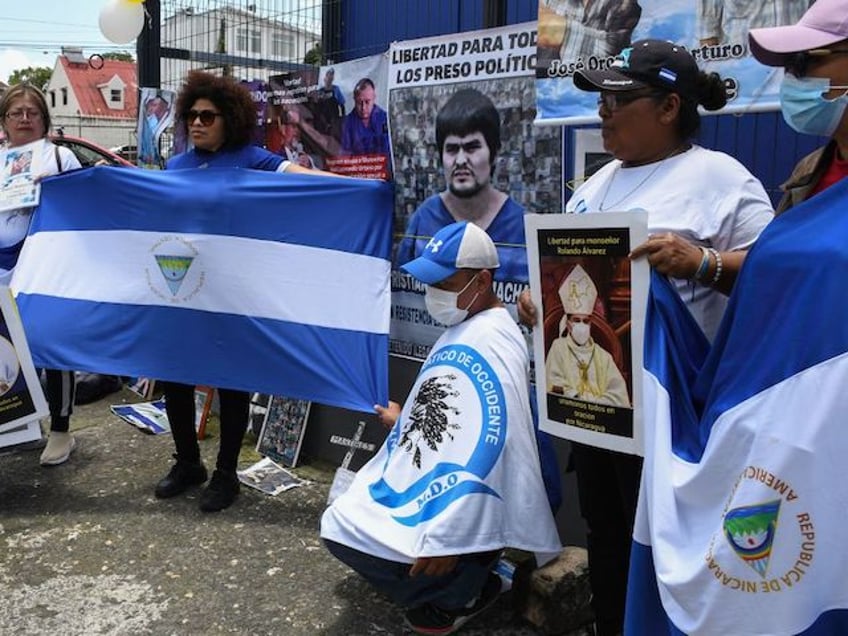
(32, 32)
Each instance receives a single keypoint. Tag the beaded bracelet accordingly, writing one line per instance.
(719, 265)
(703, 267)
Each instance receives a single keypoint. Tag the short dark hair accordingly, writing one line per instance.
(466, 112)
(229, 96)
(362, 84)
(25, 90)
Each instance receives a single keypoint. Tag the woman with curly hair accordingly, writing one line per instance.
(219, 116)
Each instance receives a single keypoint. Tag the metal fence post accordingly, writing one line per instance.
(148, 47)
(494, 13)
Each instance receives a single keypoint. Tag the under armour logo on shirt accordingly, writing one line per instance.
(433, 245)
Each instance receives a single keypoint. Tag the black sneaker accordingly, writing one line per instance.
(182, 475)
(221, 492)
(432, 620)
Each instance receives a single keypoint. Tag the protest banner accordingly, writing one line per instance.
(577, 36)
(360, 88)
(336, 125)
(424, 76)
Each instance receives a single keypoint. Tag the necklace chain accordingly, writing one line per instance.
(601, 208)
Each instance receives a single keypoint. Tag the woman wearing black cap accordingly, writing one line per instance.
(704, 211)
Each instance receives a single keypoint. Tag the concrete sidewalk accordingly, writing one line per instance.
(85, 548)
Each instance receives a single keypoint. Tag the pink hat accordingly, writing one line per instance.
(823, 24)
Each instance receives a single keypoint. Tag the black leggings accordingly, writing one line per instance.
(61, 387)
(608, 489)
(179, 404)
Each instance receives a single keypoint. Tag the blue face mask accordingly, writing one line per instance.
(806, 109)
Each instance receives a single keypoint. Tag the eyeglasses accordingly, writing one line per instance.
(798, 63)
(18, 115)
(206, 117)
(612, 101)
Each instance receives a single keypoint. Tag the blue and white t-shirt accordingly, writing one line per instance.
(459, 472)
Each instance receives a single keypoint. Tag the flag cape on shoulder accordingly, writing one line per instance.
(459, 472)
(740, 527)
(224, 277)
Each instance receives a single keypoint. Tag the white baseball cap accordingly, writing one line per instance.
(456, 246)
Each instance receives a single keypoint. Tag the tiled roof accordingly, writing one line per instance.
(86, 83)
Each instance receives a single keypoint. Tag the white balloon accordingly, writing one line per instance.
(121, 20)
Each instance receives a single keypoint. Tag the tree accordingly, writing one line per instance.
(38, 76)
(221, 47)
(315, 55)
(120, 56)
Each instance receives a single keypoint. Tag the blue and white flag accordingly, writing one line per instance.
(229, 278)
(741, 521)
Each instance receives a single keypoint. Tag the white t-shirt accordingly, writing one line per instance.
(707, 197)
(459, 472)
(14, 224)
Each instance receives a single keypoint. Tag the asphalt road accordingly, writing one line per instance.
(85, 548)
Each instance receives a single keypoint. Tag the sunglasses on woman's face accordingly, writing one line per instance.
(799, 63)
(206, 117)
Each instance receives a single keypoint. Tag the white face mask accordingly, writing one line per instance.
(442, 304)
(580, 332)
(805, 107)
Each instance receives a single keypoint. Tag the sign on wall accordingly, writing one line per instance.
(464, 73)
(576, 35)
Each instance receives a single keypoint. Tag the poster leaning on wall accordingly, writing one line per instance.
(283, 430)
(22, 401)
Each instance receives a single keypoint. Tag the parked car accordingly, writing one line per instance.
(89, 153)
(130, 153)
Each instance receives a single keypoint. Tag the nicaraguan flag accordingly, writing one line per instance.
(741, 526)
(230, 278)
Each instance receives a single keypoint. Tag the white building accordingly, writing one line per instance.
(245, 37)
(97, 100)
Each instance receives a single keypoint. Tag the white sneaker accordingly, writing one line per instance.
(58, 449)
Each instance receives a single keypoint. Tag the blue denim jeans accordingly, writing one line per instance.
(449, 591)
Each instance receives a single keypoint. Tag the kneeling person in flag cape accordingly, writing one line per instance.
(458, 477)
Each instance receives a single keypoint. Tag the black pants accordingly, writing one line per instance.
(447, 591)
(608, 489)
(61, 386)
(235, 405)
